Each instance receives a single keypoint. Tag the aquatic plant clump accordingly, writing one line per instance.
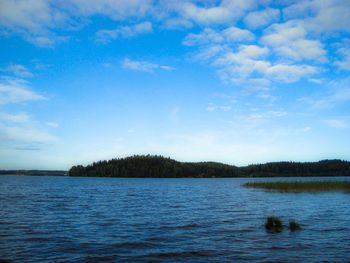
(294, 225)
(273, 224)
(300, 186)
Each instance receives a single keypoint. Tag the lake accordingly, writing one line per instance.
(60, 219)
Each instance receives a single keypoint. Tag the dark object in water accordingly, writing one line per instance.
(273, 224)
(301, 186)
(294, 226)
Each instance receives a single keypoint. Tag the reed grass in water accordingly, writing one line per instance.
(299, 186)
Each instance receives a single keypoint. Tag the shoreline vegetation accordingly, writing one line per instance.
(153, 166)
(299, 186)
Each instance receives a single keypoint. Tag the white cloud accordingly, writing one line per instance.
(14, 91)
(211, 36)
(201, 15)
(144, 66)
(177, 23)
(253, 51)
(19, 117)
(344, 53)
(321, 16)
(236, 34)
(289, 40)
(47, 41)
(251, 59)
(289, 73)
(227, 11)
(247, 65)
(207, 36)
(18, 70)
(43, 21)
(254, 65)
(33, 15)
(262, 18)
(33, 20)
(243, 63)
(37, 20)
(105, 36)
(210, 52)
(115, 9)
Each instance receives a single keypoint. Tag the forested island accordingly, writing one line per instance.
(153, 166)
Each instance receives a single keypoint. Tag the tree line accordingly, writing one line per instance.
(34, 172)
(155, 166)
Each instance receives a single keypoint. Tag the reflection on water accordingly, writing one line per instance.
(55, 219)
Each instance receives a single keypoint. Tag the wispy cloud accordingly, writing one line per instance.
(303, 129)
(210, 36)
(38, 21)
(25, 134)
(18, 70)
(259, 118)
(116, 10)
(145, 66)
(52, 124)
(336, 94)
(262, 18)
(105, 36)
(343, 62)
(213, 107)
(16, 90)
(18, 118)
(174, 115)
(19, 128)
(336, 123)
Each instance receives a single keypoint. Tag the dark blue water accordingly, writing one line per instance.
(60, 219)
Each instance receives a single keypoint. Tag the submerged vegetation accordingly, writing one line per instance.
(158, 166)
(273, 224)
(294, 225)
(299, 186)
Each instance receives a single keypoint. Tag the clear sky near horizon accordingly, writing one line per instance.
(232, 81)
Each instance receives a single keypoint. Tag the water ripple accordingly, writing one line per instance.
(60, 219)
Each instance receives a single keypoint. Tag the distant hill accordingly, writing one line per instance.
(33, 172)
(160, 167)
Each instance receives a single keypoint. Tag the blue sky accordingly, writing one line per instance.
(233, 81)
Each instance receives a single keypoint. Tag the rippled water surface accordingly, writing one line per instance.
(60, 219)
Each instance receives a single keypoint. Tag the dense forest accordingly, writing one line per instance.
(158, 166)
